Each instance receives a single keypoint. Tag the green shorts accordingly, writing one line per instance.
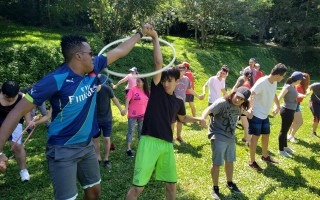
(156, 155)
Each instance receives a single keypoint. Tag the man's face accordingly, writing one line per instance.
(251, 63)
(223, 74)
(169, 85)
(279, 78)
(86, 57)
(9, 99)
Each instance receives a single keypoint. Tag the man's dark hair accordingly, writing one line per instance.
(10, 88)
(279, 69)
(225, 68)
(70, 44)
(173, 72)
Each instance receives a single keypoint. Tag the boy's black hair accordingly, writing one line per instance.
(279, 69)
(10, 88)
(170, 73)
(70, 44)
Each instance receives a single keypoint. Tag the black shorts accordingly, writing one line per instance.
(189, 98)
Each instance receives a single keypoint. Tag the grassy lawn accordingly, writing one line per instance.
(295, 178)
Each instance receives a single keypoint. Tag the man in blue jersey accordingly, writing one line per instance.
(71, 89)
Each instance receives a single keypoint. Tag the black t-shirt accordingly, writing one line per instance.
(103, 103)
(161, 110)
(4, 110)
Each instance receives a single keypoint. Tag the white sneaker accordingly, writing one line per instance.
(288, 150)
(24, 174)
(285, 154)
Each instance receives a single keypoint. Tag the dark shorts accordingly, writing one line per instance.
(315, 109)
(104, 128)
(189, 98)
(259, 126)
(70, 163)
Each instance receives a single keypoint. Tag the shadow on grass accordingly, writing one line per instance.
(288, 181)
(188, 148)
(314, 147)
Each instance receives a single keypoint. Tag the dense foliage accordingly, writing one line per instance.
(293, 23)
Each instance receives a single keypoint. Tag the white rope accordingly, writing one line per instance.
(145, 74)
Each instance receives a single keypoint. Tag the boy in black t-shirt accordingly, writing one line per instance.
(155, 150)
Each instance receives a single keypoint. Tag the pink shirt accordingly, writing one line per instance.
(138, 102)
(132, 82)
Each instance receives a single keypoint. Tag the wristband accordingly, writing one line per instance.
(140, 33)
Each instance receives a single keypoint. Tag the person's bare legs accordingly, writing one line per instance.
(215, 170)
(92, 193)
(179, 130)
(265, 143)
(134, 193)
(315, 126)
(296, 124)
(229, 171)
(107, 144)
(20, 155)
(171, 191)
(253, 147)
(96, 142)
(193, 108)
(245, 125)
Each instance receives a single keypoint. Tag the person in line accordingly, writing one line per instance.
(189, 96)
(263, 93)
(132, 81)
(259, 72)
(244, 81)
(290, 95)
(314, 104)
(183, 85)
(225, 113)
(216, 85)
(136, 105)
(104, 117)
(251, 66)
(71, 89)
(9, 98)
(155, 151)
(298, 120)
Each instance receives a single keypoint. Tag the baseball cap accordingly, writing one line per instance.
(133, 69)
(243, 92)
(186, 64)
(295, 76)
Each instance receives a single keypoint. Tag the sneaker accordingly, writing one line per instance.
(255, 166)
(215, 193)
(285, 154)
(24, 174)
(314, 134)
(130, 153)
(269, 160)
(293, 140)
(107, 164)
(233, 188)
(288, 150)
(180, 140)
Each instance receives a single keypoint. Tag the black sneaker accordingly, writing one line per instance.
(130, 153)
(107, 164)
(255, 166)
(233, 188)
(215, 193)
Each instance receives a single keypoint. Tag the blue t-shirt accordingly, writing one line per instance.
(73, 102)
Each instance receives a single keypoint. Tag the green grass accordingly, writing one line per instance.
(296, 178)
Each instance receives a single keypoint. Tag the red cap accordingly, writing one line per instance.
(186, 64)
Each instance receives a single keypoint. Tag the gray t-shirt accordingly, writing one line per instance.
(181, 88)
(290, 99)
(224, 121)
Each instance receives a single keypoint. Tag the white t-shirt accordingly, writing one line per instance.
(215, 86)
(264, 97)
